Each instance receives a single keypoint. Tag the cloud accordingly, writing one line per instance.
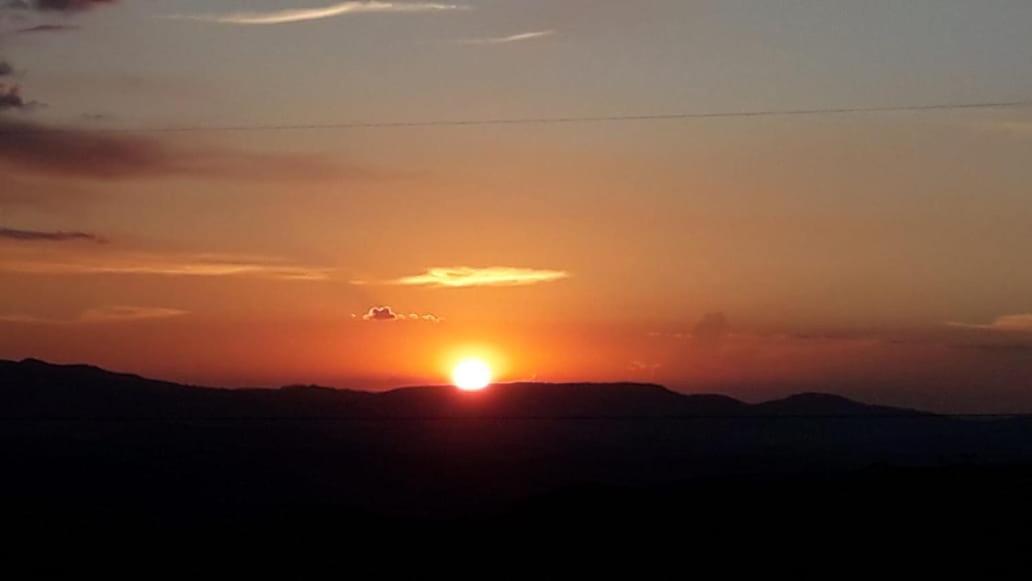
(37, 235)
(303, 14)
(102, 155)
(123, 313)
(1021, 323)
(380, 314)
(145, 264)
(69, 152)
(385, 313)
(68, 5)
(47, 28)
(10, 98)
(11, 11)
(507, 39)
(96, 154)
(467, 276)
(116, 314)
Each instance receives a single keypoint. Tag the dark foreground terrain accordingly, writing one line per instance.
(107, 468)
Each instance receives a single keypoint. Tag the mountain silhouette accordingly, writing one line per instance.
(33, 388)
(94, 460)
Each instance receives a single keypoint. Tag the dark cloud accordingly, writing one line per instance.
(10, 95)
(68, 5)
(48, 28)
(711, 328)
(67, 152)
(46, 150)
(41, 236)
(27, 147)
(11, 98)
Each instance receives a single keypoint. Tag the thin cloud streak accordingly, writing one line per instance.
(191, 265)
(304, 14)
(41, 236)
(116, 314)
(40, 28)
(1021, 323)
(468, 276)
(507, 39)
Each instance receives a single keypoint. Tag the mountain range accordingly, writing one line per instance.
(36, 389)
(94, 462)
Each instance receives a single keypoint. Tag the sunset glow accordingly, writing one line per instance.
(560, 196)
(374, 273)
(471, 375)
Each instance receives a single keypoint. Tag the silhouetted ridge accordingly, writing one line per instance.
(83, 445)
(550, 400)
(826, 404)
(33, 388)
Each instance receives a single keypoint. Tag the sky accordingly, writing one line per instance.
(882, 256)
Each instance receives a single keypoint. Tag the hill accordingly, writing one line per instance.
(36, 389)
(97, 459)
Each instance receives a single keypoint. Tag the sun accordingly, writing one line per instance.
(471, 374)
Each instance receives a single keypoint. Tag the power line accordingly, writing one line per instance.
(534, 120)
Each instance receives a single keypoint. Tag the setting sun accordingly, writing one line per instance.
(471, 374)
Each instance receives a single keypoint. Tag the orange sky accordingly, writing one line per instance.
(882, 255)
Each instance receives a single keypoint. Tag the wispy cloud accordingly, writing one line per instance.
(48, 28)
(41, 236)
(116, 314)
(124, 313)
(144, 264)
(468, 276)
(507, 39)
(1013, 323)
(333, 10)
